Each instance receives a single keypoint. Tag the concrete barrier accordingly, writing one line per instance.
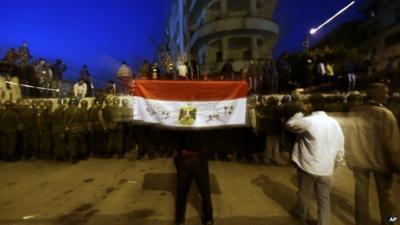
(13, 92)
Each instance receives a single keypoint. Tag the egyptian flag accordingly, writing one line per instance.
(190, 103)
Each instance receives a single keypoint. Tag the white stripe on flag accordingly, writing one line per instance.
(207, 113)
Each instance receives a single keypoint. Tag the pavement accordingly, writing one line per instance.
(142, 192)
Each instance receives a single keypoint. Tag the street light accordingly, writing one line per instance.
(314, 30)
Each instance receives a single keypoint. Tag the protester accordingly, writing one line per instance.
(58, 70)
(24, 53)
(125, 76)
(374, 148)
(252, 76)
(85, 76)
(155, 71)
(351, 75)
(144, 70)
(320, 143)
(182, 71)
(227, 72)
(191, 163)
(80, 89)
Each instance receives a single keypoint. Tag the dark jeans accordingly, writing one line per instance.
(322, 184)
(383, 186)
(188, 168)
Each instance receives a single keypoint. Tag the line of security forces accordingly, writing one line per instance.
(32, 129)
(74, 131)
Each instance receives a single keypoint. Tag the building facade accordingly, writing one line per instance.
(215, 31)
(382, 29)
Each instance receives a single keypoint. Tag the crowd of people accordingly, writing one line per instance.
(43, 78)
(37, 77)
(295, 125)
(75, 130)
(105, 128)
(71, 131)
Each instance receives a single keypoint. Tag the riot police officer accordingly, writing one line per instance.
(47, 145)
(118, 133)
(97, 130)
(9, 126)
(127, 119)
(58, 130)
(75, 131)
(110, 125)
(84, 110)
(27, 116)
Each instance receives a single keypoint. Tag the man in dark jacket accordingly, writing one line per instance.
(227, 71)
(273, 115)
(191, 163)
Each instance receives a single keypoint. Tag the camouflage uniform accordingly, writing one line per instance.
(46, 138)
(117, 136)
(39, 135)
(110, 125)
(58, 131)
(35, 132)
(9, 126)
(27, 124)
(127, 118)
(97, 130)
(75, 130)
(85, 115)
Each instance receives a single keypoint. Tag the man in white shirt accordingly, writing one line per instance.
(319, 145)
(80, 89)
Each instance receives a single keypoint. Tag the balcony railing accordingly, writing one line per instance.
(232, 15)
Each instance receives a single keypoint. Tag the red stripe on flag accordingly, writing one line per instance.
(191, 90)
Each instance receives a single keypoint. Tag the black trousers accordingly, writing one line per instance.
(189, 168)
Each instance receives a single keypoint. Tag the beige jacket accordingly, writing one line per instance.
(372, 138)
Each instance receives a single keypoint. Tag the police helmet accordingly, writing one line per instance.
(72, 102)
(96, 101)
(7, 103)
(62, 101)
(286, 99)
(84, 103)
(273, 100)
(49, 103)
(116, 101)
(34, 102)
(125, 102)
(108, 101)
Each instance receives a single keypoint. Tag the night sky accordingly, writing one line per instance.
(102, 33)
(296, 17)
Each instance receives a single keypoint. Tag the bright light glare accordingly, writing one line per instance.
(314, 30)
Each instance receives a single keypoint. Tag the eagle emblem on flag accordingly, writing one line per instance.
(187, 115)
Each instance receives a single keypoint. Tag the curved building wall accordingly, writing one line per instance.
(215, 31)
(237, 30)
